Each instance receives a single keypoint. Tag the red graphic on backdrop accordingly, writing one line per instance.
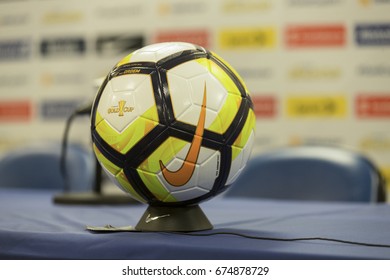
(373, 106)
(198, 37)
(315, 36)
(15, 111)
(264, 106)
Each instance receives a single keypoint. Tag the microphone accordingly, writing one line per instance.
(95, 196)
(83, 110)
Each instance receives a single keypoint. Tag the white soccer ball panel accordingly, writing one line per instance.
(240, 161)
(216, 93)
(183, 195)
(247, 150)
(188, 70)
(180, 91)
(124, 99)
(191, 116)
(209, 171)
(190, 79)
(112, 178)
(144, 96)
(156, 52)
(127, 82)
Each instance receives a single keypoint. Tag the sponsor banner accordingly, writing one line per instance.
(199, 37)
(11, 111)
(324, 106)
(375, 143)
(245, 6)
(50, 79)
(332, 35)
(313, 3)
(62, 17)
(314, 72)
(58, 109)
(372, 34)
(298, 140)
(117, 12)
(15, 49)
(14, 20)
(255, 73)
(189, 7)
(8, 80)
(247, 38)
(374, 70)
(372, 106)
(63, 47)
(369, 3)
(264, 106)
(113, 45)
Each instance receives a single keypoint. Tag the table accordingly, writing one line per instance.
(33, 227)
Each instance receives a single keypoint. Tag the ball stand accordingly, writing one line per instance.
(181, 219)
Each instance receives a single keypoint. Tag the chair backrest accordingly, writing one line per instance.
(37, 166)
(310, 173)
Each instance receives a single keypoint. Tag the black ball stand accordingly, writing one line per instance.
(169, 219)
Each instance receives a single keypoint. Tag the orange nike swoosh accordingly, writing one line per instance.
(181, 176)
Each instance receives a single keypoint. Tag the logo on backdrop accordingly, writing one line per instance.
(181, 8)
(63, 17)
(58, 109)
(313, 3)
(373, 105)
(112, 45)
(11, 111)
(119, 11)
(61, 79)
(379, 70)
(247, 38)
(323, 106)
(255, 73)
(245, 6)
(14, 80)
(264, 105)
(375, 142)
(63, 47)
(14, 20)
(368, 3)
(199, 37)
(18, 49)
(372, 34)
(332, 35)
(314, 72)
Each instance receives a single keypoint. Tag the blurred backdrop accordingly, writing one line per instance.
(318, 70)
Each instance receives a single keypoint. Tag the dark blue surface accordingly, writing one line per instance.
(32, 227)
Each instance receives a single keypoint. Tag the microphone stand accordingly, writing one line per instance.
(95, 196)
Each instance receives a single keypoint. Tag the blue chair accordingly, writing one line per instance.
(310, 173)
(38, 166)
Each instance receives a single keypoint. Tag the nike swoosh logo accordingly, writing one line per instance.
(181, 176)
(151, 219)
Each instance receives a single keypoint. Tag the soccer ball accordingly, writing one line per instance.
(172, 124)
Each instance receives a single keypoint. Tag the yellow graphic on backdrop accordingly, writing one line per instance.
(247, 38)
(333, 106)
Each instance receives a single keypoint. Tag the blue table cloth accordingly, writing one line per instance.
(33, 227)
